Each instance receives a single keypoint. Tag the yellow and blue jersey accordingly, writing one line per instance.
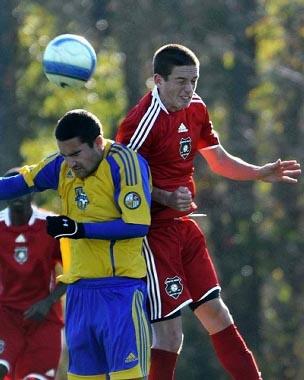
(119, 188)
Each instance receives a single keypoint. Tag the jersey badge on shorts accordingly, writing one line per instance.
(2, 346)
(132, 201)
(174, 286)
(185, 147)
(21, 254)
(81, 198)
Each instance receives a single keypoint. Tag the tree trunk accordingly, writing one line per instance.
(9, 140)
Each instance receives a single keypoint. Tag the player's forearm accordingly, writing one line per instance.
(114, 230)
(161, 196)
(13, 187)
(58, 292)
(226, 165)
(63, 226)
(237, 169)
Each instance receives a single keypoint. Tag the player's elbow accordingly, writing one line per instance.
(143, 230)
(217, 167)
(132, 231)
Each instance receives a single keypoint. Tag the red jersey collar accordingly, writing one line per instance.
(155, 95)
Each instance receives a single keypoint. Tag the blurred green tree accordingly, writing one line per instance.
(252, 81)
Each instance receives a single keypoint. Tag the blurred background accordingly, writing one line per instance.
(252, 65)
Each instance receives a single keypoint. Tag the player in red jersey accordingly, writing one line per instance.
(168, 127)
(30, 313)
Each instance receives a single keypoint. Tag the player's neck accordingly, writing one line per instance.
(20, 218)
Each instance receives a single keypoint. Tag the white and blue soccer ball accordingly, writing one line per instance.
(69, 60)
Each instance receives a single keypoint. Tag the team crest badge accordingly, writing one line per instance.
(21, 254)
(174, 286)
(81, 198)
(185, 147)
(132, 200)
(2, 346)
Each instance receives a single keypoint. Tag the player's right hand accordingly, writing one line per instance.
(280, 171)
(180, 199)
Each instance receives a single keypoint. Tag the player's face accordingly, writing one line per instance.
(20, 204)
(80, 157)
(176, 92)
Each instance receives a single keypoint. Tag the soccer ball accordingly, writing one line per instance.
(69, 60)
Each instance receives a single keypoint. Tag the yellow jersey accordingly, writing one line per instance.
(119, 188)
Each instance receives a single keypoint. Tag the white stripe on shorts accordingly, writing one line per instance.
(152, 283)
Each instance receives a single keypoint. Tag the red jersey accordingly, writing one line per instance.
(168, 141)
(28, 256)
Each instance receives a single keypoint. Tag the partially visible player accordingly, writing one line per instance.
(105, 192)
(30, 310)
(168, 127)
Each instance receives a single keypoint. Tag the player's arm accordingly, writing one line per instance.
(179, 199)
(40, 309)
(63, 226)
(36, 178)
(13, 187)
(223, 163)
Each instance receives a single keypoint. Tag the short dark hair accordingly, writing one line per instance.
(78, 123)
(168, 56)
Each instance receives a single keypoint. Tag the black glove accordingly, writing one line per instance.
(63, 226)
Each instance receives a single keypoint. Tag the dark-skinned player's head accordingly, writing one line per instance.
(79, 123)
(20, 204)
(171, 55)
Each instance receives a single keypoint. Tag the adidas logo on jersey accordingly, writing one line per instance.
(182, 128)
(51, 372)
(20, 239)
(130, 358)
(70, 174)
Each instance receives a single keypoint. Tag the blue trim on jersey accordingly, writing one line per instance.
(126, 167)
(48, 176)
(145, 172)
(127, 158)
(116, 177)
(105, 282)
(13, 187)
(115, 171)
(112, 256)
(114, 230)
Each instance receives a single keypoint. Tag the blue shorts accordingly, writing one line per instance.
(106, 329)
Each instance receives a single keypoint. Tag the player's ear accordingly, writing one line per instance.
(158, 79)
(99, 141)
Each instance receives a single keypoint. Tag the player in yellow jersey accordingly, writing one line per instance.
(105, 191)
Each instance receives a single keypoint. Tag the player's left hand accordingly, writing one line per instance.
(63, 226)
(280, 171)
(39, 310)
